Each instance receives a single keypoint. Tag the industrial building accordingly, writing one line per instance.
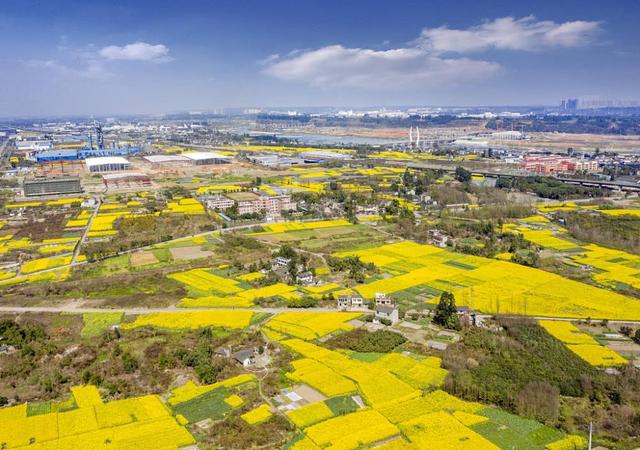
(81, 153)
(275, 161)
(507, 136)
(50, 186)
(166, 159)
(43, 153)
(106, 164)
(56, 155)
(322, 156)
(207, 158)
(34, 145)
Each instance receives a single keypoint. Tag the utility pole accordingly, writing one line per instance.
(590, 433)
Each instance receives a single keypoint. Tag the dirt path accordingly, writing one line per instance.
(76, 252)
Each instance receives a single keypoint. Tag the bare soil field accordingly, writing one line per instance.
(189, 253)
(308, 393)
(142, 258)
(389, 133)
(588, 142)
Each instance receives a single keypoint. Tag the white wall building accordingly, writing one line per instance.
(271, 205)
(206, 158)
(106, 164)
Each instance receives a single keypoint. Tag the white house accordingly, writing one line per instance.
(387, 312)
(382, 299)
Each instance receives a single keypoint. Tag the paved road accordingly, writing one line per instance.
(74, 308)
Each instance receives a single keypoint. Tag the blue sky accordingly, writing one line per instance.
(112, 57)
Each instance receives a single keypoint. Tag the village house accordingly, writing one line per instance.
(469, 317)
(305, 278)
(246, 356)
(384, 312)
(350, 300)
(281, 261)
(382, 299)
(438, 238)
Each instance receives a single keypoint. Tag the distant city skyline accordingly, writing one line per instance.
(141, 57)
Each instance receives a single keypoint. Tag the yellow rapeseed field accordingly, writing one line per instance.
(582, 344)
(321, 377)
(206, 281)
(621, 212)
(86, 395)
(570, 442)
(77, 223)
(597, 355)
(378, 386)
(543, 238)
(351, 430)
(193, 319)
(432, 402)
(36, 265)
(615, 266)
(242, 299)
(251, 276)
(234, 400)
(310, 414)
(566, 332)
(257, 415)
(293, 226)
(416, 373)
(141, 422)
(490, 285)
(188, 206)
(190, 390)
(311, 325)
(443, 431)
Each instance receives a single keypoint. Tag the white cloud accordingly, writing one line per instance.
(508, 33)
(432, 59)
(138, 51)
(338, 66)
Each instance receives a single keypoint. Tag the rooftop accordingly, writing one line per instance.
(385, 309)
(165, 158)
(105, 160)
(199, 156)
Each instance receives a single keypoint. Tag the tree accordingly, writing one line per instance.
(539, 400)
(462, 174)
(446, 314)
(636, 336)
(129, 362)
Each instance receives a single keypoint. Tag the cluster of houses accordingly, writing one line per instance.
(385, 310)
(303, 277)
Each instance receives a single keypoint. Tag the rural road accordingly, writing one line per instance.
(73, 308)
(76, 252)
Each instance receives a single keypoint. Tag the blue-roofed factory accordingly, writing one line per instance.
(89, 151)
